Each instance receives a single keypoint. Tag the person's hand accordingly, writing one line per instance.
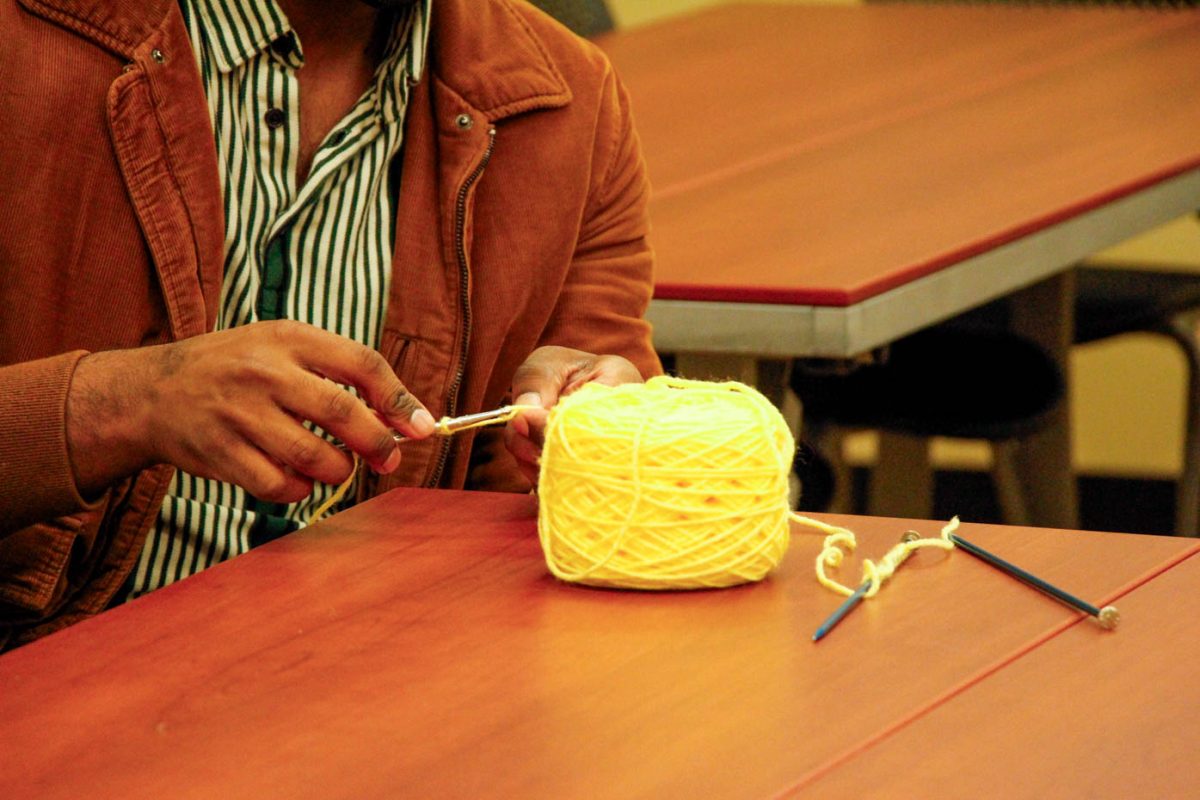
(231, 405)
(549, 373)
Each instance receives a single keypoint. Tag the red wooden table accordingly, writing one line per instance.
(415, 646)
(828, 178)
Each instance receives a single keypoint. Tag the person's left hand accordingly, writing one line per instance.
(549, 373)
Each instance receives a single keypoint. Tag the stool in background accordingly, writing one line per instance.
(944, 381)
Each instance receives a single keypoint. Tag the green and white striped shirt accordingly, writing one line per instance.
(320, 252)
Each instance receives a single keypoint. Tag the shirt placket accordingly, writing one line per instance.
(356, 131)
(279, 142)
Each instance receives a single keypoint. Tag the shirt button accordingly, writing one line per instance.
(275, 117)
(283, 45)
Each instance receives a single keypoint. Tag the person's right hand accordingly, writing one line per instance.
(231, 405)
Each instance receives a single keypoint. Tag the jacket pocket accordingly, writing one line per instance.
(401, 352)
(35, 563)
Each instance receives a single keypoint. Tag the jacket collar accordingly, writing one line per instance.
(119, 25)
(487, 53)
(483, 50)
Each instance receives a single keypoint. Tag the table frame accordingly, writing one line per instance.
(757, 331)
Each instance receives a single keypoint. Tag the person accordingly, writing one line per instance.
(236, 233)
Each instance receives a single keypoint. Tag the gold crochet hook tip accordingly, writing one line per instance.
(448, 426)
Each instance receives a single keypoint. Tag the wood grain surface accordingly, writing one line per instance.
(1078, 717)
(823, 155)
(415, 646)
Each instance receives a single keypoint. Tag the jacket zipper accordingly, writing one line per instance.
(464, 302)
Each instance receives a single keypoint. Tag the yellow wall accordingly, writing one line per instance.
(1128, 392)
(628, 13)
(1129, 403)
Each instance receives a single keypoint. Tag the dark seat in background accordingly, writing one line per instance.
(969, 378)
(986, 384)
(584, 17)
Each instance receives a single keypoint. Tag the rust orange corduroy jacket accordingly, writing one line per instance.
(521, 221)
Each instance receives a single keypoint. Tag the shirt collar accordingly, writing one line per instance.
(403, 61)
(410, 41)
(238, 31)
(241, 30)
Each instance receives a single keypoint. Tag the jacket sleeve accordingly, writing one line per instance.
(601, 306)
(603, 301)
(36, 479)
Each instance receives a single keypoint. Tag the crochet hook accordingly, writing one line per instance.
(854, 599)
(1107, 617)
(448, 426)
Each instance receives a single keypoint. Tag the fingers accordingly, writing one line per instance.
(520, 441)
(268, 481)
(530, 471)
(524, 436)
(304, 453)
(231, 404)
(530, 425)
(342, 414)
(247, 466)
(608, 370)
(548, 374)
(351, 363)
(552, 371)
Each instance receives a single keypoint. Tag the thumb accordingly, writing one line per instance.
(540, 379)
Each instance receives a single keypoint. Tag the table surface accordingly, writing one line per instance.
(1068, 729)
(829, 178)
(416, 646)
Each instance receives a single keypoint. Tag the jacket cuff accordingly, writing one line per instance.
(36, 479)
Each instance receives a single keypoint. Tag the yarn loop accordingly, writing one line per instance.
(839, 541)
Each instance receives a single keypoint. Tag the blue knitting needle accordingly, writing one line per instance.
(854, 599)
(842, 610)
(1108, 617)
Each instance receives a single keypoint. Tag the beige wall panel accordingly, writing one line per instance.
(629, 13)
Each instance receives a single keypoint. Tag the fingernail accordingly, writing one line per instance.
(392, 462)
(520, 425)
(529, 399)
(422, 422)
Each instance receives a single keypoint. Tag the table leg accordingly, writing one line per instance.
(1045, 313)
(1186, 330)
(902, 480)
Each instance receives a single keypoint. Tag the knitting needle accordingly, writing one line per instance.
(854, 599)
(1108, 617)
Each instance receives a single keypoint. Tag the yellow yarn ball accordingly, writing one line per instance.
(671, 484)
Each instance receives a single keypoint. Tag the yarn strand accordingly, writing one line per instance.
(446, 426)
(839, 541)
